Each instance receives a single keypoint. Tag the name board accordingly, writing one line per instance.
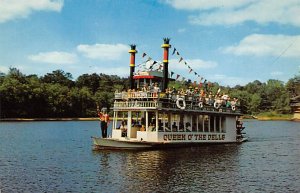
(194, 137)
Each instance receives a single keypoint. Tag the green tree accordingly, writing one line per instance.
(58, 77)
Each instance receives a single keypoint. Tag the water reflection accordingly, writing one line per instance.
(180, 169)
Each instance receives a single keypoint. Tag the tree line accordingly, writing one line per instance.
(57, 95)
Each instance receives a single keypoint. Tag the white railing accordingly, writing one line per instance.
(136, 95)
(127, 104)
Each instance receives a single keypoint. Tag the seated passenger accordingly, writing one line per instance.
(143, 128)
(188, 126)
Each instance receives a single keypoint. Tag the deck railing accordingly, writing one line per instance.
(137, 104)
(155, 100)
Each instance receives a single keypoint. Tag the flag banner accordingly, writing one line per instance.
(177, 76)
(180, 59)
(183, 79)
(144, 54)
(185, 63)
(154, 62)
(195, 73)
(190, 70)
(174, 51)
(177, 53)
(172, 74)
(151, 66)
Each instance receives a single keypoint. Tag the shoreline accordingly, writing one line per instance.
(49, 119)
(259, 118)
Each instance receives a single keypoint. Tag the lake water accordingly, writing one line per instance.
(58, 157)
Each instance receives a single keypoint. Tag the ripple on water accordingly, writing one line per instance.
(57, 157)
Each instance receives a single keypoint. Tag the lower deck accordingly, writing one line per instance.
(173, 126)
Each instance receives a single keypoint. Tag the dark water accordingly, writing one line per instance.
(58, 157)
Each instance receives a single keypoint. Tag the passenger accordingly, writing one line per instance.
(228, 103)
(188, 126)
(188, 91)
(174, 91)
(145, 88)
(225, 99)
(234, 102)
(104, 121)
(210, 99)
(182, 93)
(156, 88)
(143, 128)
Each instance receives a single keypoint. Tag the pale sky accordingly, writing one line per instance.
(226, 41)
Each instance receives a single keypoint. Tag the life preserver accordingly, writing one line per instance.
(200, 104)
(233, 107)
(183, 103)
(217, 105)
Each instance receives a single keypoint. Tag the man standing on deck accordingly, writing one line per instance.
(104, 121)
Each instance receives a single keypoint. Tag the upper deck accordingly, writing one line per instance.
(146, 100)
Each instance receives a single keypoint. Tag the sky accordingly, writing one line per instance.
(232, 42)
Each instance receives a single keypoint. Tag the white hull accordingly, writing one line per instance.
(108, 143)
(165, 139)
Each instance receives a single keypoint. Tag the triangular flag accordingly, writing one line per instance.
(177, 53)
(177, 76)
(172, 74)
(174, 51)
(185, 63)
(144, 54)
(180, 59)
(190, 70)
(154, 62)
(195, 73)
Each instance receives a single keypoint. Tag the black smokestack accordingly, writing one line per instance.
(132, 52)
(166, 47)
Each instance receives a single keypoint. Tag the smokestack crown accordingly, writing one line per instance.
(166, 43)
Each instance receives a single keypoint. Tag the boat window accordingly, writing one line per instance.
(194, 123)
(188, 122)
(151, 121)
(206, 119)
(161, 121)
(120, 120)
(181, 123)
(223, 128)
(218, 124)
(212, 124)
(175, 122)
(200, 123)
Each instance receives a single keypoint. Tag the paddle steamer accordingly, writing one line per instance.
(159, 117)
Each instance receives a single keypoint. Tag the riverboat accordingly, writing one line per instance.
(150, 118)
